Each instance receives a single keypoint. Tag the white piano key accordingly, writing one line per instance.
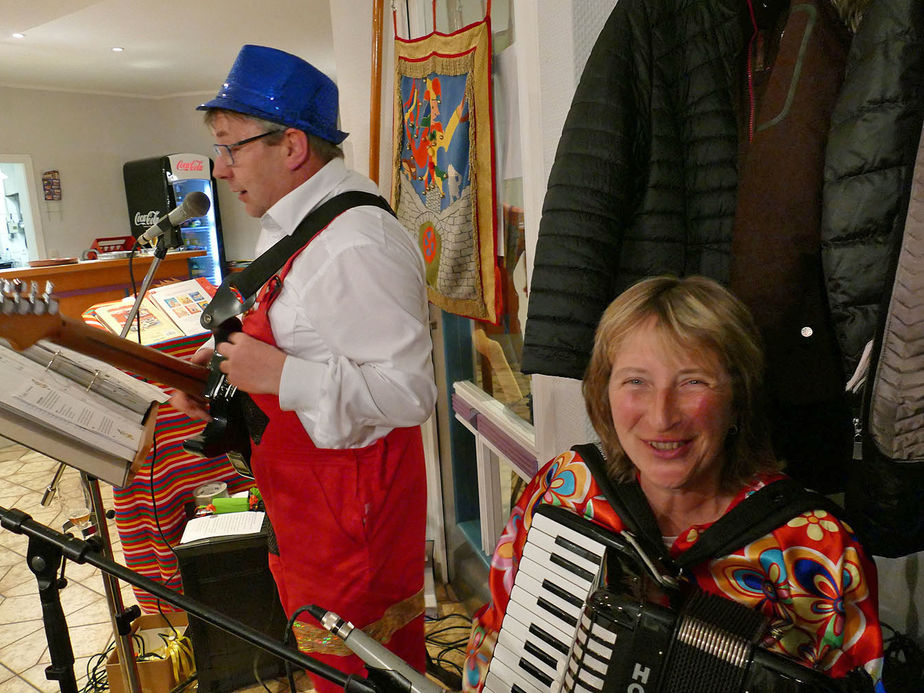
(519, 648)
(528, 613)
(559, 595)
(523, 632)
(530, 594)
(548, 526)
(542, 558)
(495, 684)
(546, 541)
(575, 590)
(505, 665)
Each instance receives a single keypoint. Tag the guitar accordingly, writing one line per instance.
(227, 432)
(26, 318)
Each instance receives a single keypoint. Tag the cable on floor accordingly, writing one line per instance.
(450, 637)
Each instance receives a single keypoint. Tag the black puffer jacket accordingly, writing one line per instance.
(645, 175)
(875, 129)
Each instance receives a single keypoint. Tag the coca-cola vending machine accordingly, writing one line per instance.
(157, 185)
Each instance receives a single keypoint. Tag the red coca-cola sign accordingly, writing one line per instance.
(193, 165)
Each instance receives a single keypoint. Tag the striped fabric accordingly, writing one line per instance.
(150, 517)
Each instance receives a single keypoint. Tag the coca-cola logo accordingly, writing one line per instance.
(194, 165)
(148, 219)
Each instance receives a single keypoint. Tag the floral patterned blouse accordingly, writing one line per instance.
(810, 577)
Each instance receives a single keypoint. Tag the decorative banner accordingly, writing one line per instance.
(443, 183)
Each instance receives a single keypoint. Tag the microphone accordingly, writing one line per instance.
(195, 204)
(400, 675)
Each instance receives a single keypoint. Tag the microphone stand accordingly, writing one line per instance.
(166, 241)
(47, 549)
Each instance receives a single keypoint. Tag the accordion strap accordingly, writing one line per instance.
(760, 513)
(629, 502)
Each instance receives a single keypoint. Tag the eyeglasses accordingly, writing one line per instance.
(226, 151)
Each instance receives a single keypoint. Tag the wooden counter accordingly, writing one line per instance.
(81, 285)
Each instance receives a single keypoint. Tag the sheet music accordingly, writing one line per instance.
(50, 398)
(245, 522)
(120, 382)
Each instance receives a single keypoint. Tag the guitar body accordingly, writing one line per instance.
(227, 433)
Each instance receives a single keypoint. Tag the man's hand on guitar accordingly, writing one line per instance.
(251, 365)
(194, 407)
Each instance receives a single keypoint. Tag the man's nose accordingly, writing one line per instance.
(220, 169)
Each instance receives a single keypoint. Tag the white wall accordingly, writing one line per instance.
(88, 138)
(553, 40)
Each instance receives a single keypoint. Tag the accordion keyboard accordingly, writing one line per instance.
(591, 612)
(557, 572)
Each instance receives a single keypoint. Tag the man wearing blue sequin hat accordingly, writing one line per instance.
(337, 356)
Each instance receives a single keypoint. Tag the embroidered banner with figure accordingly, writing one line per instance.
(443, 183)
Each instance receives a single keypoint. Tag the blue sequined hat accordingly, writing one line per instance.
(277, 86)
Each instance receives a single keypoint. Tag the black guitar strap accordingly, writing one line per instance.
(237, 292)
(755, 516)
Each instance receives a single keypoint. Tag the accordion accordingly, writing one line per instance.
(590, 612)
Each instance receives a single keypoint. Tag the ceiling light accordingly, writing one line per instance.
(117, 49)
(17, 35)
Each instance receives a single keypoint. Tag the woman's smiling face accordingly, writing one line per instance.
(672, 409)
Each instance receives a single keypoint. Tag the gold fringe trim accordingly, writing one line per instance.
(315, 639)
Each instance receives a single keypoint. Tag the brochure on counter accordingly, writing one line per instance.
(167, 312)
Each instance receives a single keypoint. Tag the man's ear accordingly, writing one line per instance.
(297, 148)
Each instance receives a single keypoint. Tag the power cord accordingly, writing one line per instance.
(97, 675)
(451, 638)
(160, 532)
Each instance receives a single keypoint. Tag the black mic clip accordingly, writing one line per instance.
(168, 240)
(357, 684)
(387, 681)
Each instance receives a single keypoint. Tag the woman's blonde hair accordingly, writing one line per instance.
(693, 313)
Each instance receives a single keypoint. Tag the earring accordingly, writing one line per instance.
(733, 430)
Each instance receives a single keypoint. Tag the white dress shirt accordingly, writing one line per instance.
(352, 318)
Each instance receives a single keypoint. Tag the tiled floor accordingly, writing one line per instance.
(24, 475)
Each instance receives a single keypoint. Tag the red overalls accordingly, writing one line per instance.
(350, 525)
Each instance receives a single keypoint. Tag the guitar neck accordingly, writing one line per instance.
(122, 353)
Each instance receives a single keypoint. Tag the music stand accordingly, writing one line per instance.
(165, 242)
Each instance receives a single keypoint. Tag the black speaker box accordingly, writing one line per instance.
(231, 575)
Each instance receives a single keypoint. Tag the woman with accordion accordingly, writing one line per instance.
(674, 392)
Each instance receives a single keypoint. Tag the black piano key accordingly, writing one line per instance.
(555, 611)
(562, 593)
(531, 669)
(585, 575)
(579, 550)
(539, 654)
(516, 689)
(548, 638)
